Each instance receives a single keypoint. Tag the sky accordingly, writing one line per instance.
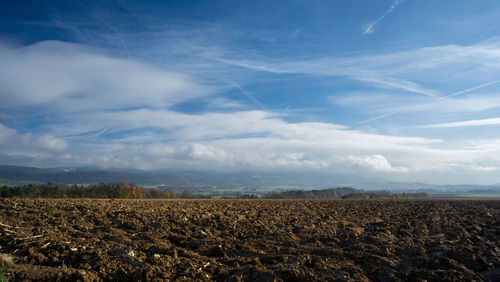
(402, 90)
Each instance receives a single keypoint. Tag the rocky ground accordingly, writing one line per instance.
(265, 240)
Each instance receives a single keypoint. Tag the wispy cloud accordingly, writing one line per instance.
(371, 26)
(413, 71)
(476, 122)
(224, 103)
(395, 83)
(352, 68)
(376, 105)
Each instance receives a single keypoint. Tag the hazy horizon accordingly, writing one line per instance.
(400, 90)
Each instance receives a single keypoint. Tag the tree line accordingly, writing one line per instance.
(341, 193)
(131, 191)
(103, 190)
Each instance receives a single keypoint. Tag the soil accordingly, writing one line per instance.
(263, 240)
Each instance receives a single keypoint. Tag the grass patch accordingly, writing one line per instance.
(2, 277)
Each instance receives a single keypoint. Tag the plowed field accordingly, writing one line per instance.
(265, 240)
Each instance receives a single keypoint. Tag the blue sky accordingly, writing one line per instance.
(401, 90)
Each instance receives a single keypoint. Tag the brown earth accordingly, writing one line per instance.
(264, 240)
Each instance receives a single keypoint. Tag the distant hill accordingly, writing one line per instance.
(178, 181)
(165, 178)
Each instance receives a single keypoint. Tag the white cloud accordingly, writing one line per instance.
(376, 162)
(52, 143)
(71, 77)
(14, 142)
(481, 168)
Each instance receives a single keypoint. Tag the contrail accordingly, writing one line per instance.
(286, 110)
(377, 117)
(117, 35)
(57, 22)
(248, 94)
(473, 88)
(101, 132)
(371, 26)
